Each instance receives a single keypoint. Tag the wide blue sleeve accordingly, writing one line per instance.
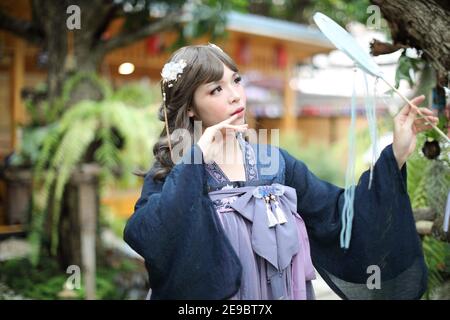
(385, 258)
(174, 229)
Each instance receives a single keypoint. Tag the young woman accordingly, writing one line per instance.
(255, 225)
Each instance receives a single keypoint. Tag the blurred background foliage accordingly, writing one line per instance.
(328, 162)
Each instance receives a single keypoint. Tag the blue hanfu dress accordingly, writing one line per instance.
(205, 237)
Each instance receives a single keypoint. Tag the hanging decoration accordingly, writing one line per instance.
(344, 42)
(281, 56)
(154, 45)
(243, 51)
(106, 35)
(431, 149)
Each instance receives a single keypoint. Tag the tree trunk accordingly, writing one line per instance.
(424, 25)
(78, 54)
(71, 51)
(75, 246)
(52, 14)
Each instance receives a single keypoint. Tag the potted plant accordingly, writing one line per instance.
(16, 170)
(92, 143)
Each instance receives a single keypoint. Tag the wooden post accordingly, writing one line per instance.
(88, 217)
(333, 130)
(86, 207)
(16, 85)
(289, 121)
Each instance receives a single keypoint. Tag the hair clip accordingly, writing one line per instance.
(172, 71)
(214, 46)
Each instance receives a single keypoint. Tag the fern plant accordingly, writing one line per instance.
(428, 186)
(417, 177)
(437, 258)
(125, 135)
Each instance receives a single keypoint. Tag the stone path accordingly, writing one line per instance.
(322, 290)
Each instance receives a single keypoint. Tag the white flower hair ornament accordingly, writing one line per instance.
(170, 74)
(172, 71)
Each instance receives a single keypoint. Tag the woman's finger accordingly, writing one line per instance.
(230, 119)
(220, 125)
(427, 114)
(233, 127)
(428, 120)
(426, 111)
(423, 127)
(210, 132)
(415, 101)
(411, 117)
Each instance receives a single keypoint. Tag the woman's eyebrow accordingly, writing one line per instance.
(221, 81)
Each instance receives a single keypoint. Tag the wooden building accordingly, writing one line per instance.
(265, 49)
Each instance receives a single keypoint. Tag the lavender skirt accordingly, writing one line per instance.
(276, 261)
(258, 275)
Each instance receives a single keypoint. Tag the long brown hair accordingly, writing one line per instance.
(204, 64)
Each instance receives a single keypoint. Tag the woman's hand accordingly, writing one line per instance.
(212, 141)
(406, 128)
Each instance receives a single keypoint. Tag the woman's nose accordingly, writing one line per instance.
(234, 96)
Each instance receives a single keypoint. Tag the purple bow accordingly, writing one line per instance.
(277, 244)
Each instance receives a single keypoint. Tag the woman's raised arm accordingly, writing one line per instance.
(383, 236)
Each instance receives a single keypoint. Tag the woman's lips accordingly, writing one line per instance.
(240, 110)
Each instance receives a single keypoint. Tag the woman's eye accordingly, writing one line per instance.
(219, 88)
(238, 79)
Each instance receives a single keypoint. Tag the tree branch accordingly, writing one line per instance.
(378, 47)
(128, 37)
(111, 13)
(24, 29)
(409, 22)
(36, 18)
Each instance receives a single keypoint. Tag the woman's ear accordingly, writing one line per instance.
(190, 113)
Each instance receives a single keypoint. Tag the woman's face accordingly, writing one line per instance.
(217, 101)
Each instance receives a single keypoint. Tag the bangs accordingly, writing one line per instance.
(204, 64)
(211, 65)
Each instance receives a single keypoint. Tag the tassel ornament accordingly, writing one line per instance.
(270, 216)
(278, 212)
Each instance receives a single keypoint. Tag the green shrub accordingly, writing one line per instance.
(45, 281)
